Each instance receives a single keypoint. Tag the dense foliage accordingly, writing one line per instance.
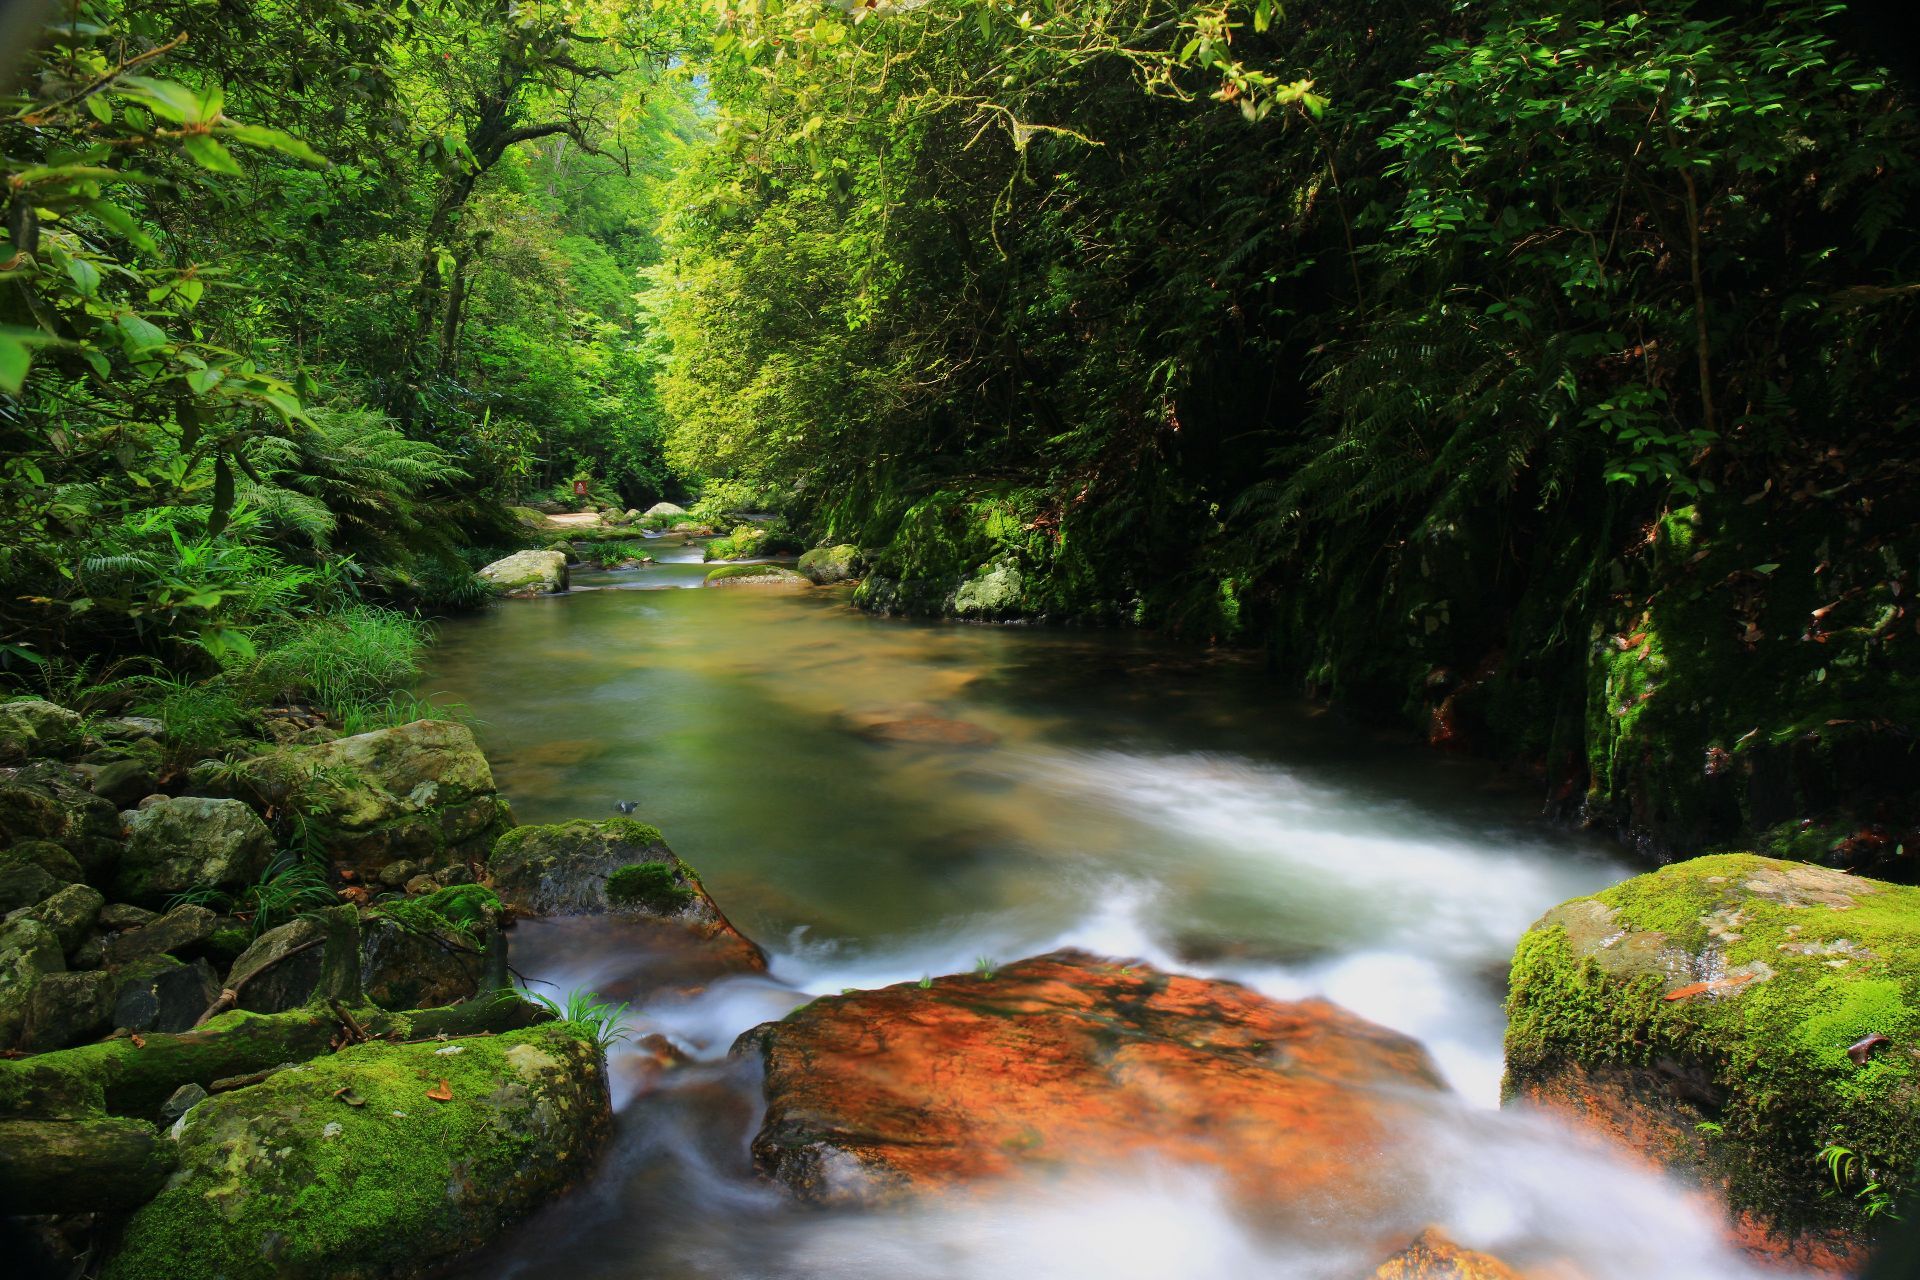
(298, 296)
(1537, 372)
(1486, 344)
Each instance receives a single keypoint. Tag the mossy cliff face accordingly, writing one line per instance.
(1704, 1013)
(1756, 683)
(290, 1179)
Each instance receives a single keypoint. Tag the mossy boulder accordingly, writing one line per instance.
(742, 543)
(527, 573)
(824, 566)
(619, 867)
(422, 792)
(33, 727)
(48, 801)
(188, 843)
(996, 592)
(29, 952)
(1730, 1017)
(663, 509)
(764, 576)
(290, 1179)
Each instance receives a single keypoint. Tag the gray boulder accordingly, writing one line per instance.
(34, 727)
(527, 573)
(419, 792)
(68, 914)
(189, 843)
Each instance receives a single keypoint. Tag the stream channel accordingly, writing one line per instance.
(1127, 796)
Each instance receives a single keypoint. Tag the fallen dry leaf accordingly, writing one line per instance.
(443, 1094)
(139, 1041)
(1702, 988)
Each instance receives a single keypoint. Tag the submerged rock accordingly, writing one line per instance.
(452, 1140)
(422, 792)
(33, 727)
(527, 573)
(1067, 1061)
(826, 565)
(1703, 1015)
(618, 867)
(766, 576)
(190, 843)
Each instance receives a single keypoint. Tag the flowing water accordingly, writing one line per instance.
(1114, 793)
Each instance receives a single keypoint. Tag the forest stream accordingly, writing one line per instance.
(1106, 791)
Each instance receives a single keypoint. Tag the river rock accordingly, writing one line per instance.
(120, 782)
(663, 509)
(47, 801)
(34, 727)
(992, 594)
(827, 565)
(23, 883)
(281, 968)
(1434, 1257)
(917, 725)
(527, 573)
(185, 926)
(69, 914)
(1068, 1062)
(68, 1009)
(405, 966)
(619, 867)
(190, 843)
(1726, 1017)
(29, 951)
(763, 576)
(287, 1179)
(162, 994)
(421, 792)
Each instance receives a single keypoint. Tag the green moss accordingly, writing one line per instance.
(771, 571)
(655, 886)
(289, 1178)
(1837, 959)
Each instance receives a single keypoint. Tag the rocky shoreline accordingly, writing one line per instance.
(203, 1075)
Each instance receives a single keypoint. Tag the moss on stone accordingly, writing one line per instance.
(289, 1178)
(654, 886)
(1799, 964)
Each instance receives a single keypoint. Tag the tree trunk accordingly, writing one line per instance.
(125, 1077)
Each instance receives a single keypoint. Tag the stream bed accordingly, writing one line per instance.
(1102, 790)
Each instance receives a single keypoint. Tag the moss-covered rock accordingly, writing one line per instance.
(764, 576)
(29, 952)
(824, 566)
(1720, 1015)
(421, 792)
(290, 1179)
(996, 592)
(527, 573)
(742, 543)
(188, 843)
(69, 914)
(47, 801)
(33, 727)
(621, 867)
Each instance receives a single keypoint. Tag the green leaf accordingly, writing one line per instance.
(164, 98)
(85, 277)
(140, 335)
(210, 154)
(121, 223)
(273, 140)
(15, 358)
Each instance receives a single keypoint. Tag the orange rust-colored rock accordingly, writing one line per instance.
(1434, 1257)
(1068, 1062)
